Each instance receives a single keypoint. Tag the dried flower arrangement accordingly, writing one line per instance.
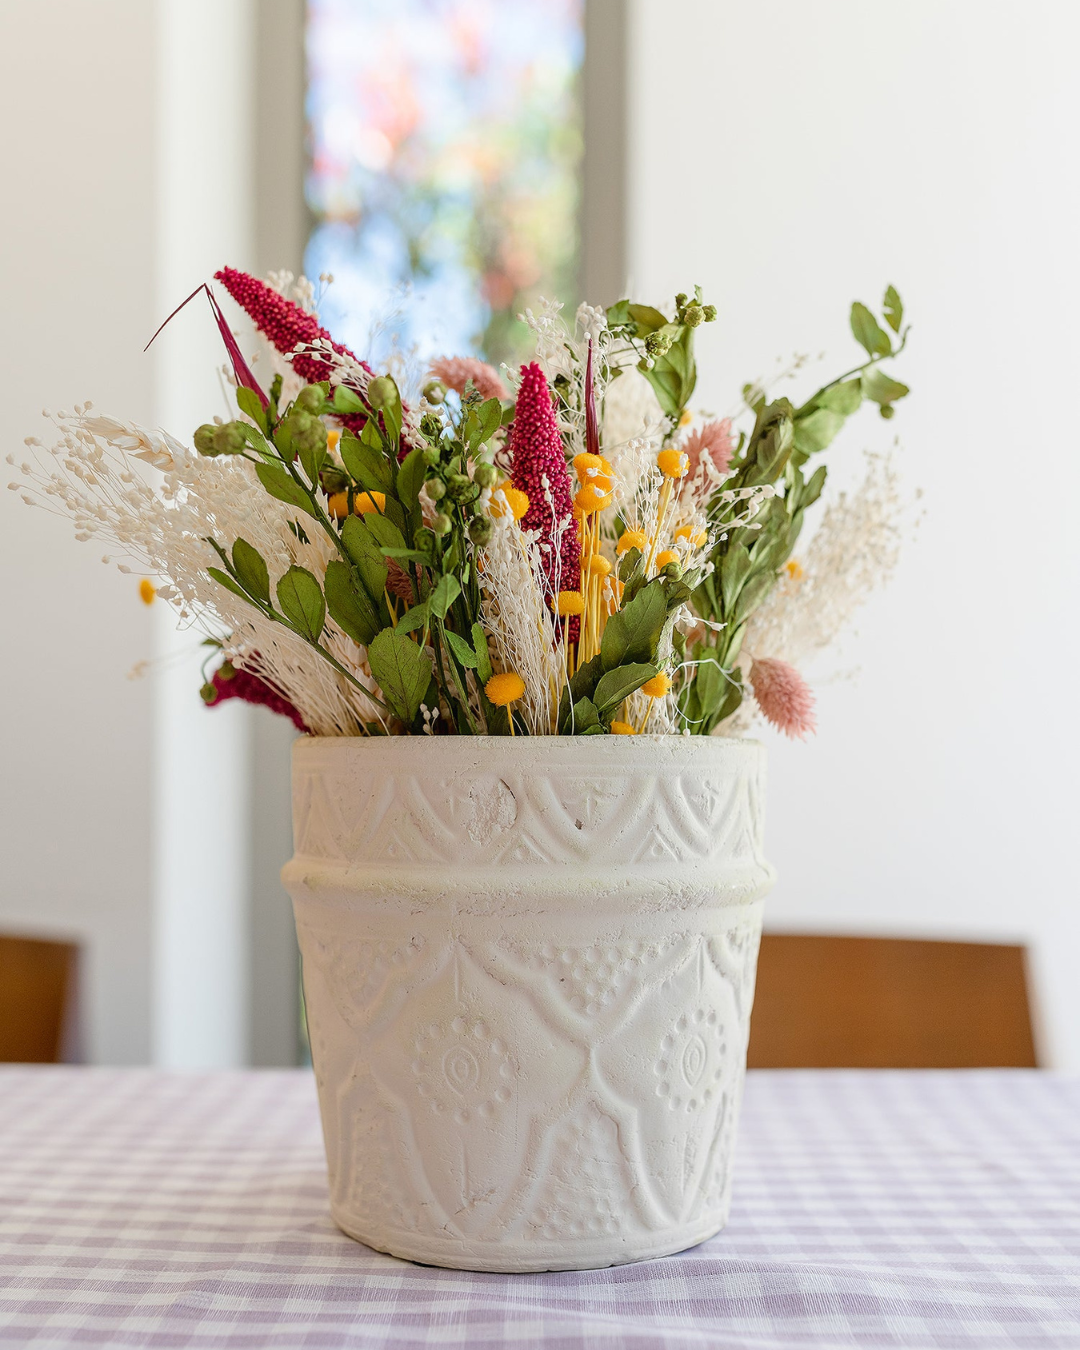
(572, 555)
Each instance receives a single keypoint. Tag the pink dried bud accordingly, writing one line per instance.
(714, 439)
(456, 371)
(783, 696)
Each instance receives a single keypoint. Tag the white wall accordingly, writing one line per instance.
(791, 158)
(76, 235)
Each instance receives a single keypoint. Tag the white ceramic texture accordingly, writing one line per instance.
(529, 965)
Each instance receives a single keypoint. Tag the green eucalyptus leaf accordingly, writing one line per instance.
(366, 463)
(251, 569)
(383, 530)
(347, 402)
(461, 649)
(300, 599)
(483, 659)
(752, 594)
(248, 401)
(415, 617)
(648, 320)
(893, 309)
(843, 398)
(402, 670)
(819, 429)
(619, 684)
(443, 594)
(710, 682)
(223, 579)
(734, 569)
(278, 483)
(867, 332)
(365, 554)
(582, 684)
(489, 418)
(880, 388)
(583, 716)
(349, 604)
(632, 633)
(411, 473)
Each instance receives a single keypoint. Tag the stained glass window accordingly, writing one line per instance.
(445, 148)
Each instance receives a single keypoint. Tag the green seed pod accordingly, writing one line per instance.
(431, 426)
(436, 489)
(646, 363)
(459, 487)
(208, 693)
(710, 313)
(887, 411)
(441, 524)
(229, 439)
(656, 344)
(485, 475)
(480, 530)
(435, 391)
(382, 392)
(672, 570)
(311, 398)
(333, 479)
(431, 455)
(695, 314)
(681, 299)
(205, 441)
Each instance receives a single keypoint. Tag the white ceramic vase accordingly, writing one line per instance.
(528, 965)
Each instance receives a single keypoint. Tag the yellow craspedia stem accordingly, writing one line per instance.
(673, 463)
(147, 591)
(598, 565)
(517, 502)
(658, 686)
(366, 502)
(668, 556)
(505, 688)
(622, 729)
(631, 539)
(570, 603)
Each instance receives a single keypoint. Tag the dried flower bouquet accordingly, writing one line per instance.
(573, 555)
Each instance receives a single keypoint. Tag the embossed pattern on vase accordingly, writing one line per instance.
(529, 979)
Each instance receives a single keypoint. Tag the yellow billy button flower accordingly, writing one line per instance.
(333, 436)
(658, 686)
(668, 556)
(505, 688)
(699, 538)
(794, 569)
(598, 565)
(363, 504)
(569, 603)
(591, 498)
(673, 463)
(631, 539)
(147, 591)
(586, 464)
(622, 729)
(366, 502)
(517, 502)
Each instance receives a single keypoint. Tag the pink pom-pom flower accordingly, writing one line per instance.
(783, 696)
(537, 453)
(456, 371)
(714, 439)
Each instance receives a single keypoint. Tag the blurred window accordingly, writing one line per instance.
(445, 147)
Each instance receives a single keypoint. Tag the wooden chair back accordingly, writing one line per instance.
(884, 1003)
(37, 989)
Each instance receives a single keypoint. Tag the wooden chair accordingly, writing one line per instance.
(37, 996)
(876, 1003)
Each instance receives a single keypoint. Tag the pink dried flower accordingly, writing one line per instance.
(456, 371)
(249, 688)
(713, 439)
(783, 696)
(537, 453)
(285, 324)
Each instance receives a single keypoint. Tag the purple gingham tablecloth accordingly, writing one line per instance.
(140, 1208)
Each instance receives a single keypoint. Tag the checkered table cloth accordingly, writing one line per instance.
(140, 1208)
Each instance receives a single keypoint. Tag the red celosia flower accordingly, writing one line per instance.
(285, 324)
(250, 688)
(456, 371)
(783, 696)
(537, 452)
(713, 439)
